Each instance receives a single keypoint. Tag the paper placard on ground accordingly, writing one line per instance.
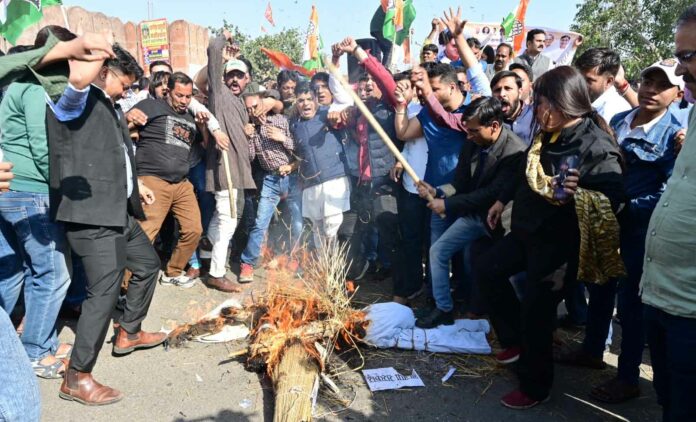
(389, 379)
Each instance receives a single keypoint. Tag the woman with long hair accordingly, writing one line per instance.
(572, 170)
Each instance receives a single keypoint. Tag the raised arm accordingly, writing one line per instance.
(419, 79)
(474, 70)
(215, 59)
(374, 67)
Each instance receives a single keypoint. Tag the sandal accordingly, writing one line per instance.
(65, 354)
(51, 371)
(615, 391)
(580, 358)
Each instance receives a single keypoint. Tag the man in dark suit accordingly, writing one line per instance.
(484, 166)
(95, 193)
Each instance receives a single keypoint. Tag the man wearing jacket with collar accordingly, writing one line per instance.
(485, 165)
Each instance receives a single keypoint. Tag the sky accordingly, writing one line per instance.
(337, 18)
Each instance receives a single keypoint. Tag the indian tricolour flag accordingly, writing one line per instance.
(18, 15)
(311, 57)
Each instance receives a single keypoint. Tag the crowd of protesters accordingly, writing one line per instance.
(539, 183)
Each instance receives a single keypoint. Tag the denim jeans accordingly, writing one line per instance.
(19, 390)
(438, 226)
(274, 188)
(35, 255)
(457, 237)
(206, 203)
(672, 341)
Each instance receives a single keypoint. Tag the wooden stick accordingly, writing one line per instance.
(230, 189)
(376, 126)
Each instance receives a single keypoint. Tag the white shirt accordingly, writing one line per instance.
(610, 103)
(415, 152)
(639, 132)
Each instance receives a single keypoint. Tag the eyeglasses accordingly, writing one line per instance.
(685, 57)
(126, 85)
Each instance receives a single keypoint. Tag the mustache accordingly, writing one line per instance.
(689, 78)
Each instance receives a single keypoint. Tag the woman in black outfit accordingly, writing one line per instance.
(545, 233)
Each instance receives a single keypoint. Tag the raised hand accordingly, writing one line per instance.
(348, 45)
(453, 21)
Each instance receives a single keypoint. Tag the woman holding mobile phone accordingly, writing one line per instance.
(573, 149)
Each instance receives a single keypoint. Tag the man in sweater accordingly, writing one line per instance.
(34, 248)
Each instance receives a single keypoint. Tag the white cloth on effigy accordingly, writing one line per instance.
(394, 325)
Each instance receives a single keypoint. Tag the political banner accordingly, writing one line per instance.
(154, 40)
(493, 34)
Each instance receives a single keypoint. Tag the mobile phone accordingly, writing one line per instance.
(566, 163)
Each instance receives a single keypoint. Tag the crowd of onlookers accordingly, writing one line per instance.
(536, 183)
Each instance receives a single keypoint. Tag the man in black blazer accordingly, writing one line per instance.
(485, 165)
(95, 193)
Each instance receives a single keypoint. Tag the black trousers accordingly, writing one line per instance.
(527, 324)
(106, 252)
(372, 203)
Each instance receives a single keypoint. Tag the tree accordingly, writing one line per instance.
(289, 41)
(642, 31)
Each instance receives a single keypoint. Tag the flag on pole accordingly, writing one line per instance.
(269, 14)
(282, 61)
(18, 15)
(311, 59)
(514, 26)
(398, 19)
(407, 50)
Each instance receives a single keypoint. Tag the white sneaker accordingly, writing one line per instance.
(178, 281)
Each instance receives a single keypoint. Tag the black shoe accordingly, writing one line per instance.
(358, 270)
(435, 318)
(381, 274)
(373, 268)
(426, 309)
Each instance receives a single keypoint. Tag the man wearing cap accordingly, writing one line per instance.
(646, 136)
(225, 103)
(272, 144)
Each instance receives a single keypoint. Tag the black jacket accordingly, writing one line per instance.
(88, 166)
(477, 196)
(600, 170)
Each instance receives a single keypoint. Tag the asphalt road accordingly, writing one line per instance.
(199, 382)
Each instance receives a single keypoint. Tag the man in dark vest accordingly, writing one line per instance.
(95, 193)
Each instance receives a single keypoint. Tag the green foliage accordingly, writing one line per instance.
(289, 41)
(642, 31)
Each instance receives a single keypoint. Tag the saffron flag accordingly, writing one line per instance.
(311, 59)
(18, 15)
(269, 14)
(517, 30)
(397, 20)
(282, 61)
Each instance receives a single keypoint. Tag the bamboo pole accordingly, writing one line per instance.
(376, 126)
(230, 188)
(293, 382)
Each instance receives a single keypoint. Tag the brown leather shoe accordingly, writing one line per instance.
(223, 284)
(82, 388)
(124, 345)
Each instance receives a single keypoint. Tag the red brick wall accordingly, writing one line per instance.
(188, 41)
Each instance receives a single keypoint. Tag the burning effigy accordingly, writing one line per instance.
(293, 328)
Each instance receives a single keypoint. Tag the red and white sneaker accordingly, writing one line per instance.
(519, 400)
(509, 355)
(246, 273)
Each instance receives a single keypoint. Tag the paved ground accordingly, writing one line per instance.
(200, 383)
